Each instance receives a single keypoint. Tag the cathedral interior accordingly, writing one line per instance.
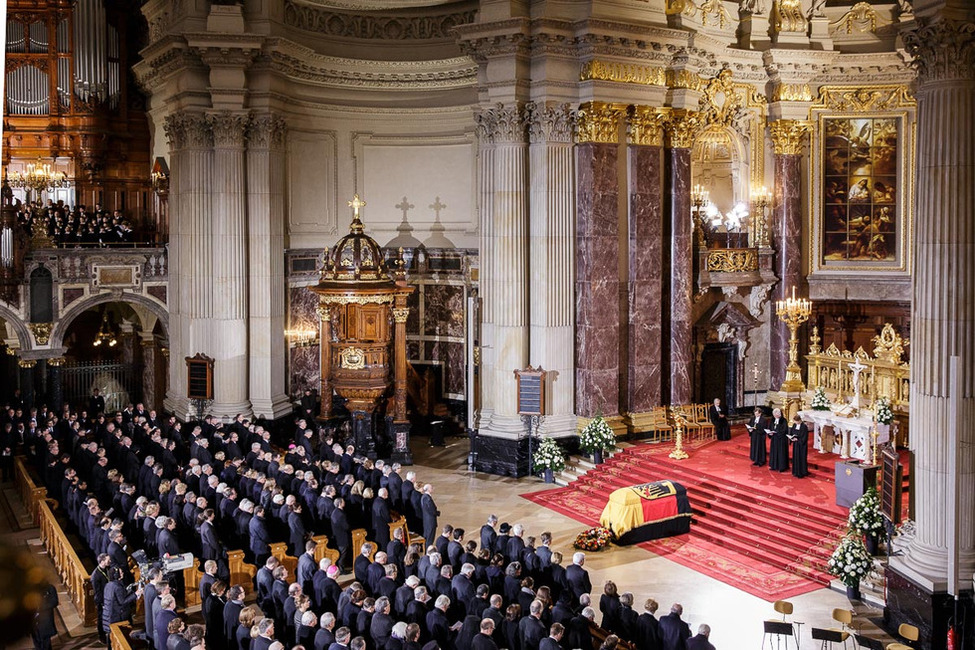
(624, 193)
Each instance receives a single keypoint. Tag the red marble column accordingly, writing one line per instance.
(644, 349)
(787, 138)
(597, 280)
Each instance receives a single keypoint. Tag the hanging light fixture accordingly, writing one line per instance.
(106, 333)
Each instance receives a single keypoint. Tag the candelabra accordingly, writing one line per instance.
(761, 199)
(678, 453)
(793, 312)
(699, 199)
(38, 177)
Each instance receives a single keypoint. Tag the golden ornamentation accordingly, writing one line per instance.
(682, 127)
(646, 126)
(788, 135)
(814, 341)
(793, 312)
(12, 351)
(792, 93)
(477, 355)
(859, 99)
(42, 332)
(686, 7)
(732, 260)
(722, 101)
(715, 7)
(627, 73)
(383, 298)
(599, 122)
(787, 16)
(400, 314)
(684, 79)
(861, 16)
(27, 363)
(352, 359)
(57, 362)
(888, 345)
(679, 420)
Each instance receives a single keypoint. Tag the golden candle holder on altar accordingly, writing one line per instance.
(793, 312)
(678, 453)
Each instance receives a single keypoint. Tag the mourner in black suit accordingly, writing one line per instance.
(778, 453)
(799, 435)
(756, 429)
(719, 418)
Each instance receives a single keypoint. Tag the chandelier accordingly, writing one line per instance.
(106, 333)
(38, 177)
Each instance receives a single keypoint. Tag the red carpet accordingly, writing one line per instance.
(766, 533)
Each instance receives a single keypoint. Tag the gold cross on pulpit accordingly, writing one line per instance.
(355, 204)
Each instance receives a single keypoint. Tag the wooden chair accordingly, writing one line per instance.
(908, 633)
(704, 421)
(692, 430)
(783, 607)
(660, 428)
(783, 628)
(845, 617)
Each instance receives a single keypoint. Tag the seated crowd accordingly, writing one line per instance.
(132, 482)
(71, 226)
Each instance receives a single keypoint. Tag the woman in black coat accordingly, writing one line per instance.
(609, 605)
(799, 435)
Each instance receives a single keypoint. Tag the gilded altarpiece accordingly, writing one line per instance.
(862, 180)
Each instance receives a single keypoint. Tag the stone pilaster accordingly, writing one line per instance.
(645, 137)
(150, 371)
(551, 255)
(787, 140)
(27, 381)
(265, 270)
(679, 261)
(504, 213)
(55, 384)
(597, 283)
(228, 324)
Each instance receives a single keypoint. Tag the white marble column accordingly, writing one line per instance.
(943, 312)
(266, 282)
(551, 254)
(191, 254)
(228, 323)
(506, 297)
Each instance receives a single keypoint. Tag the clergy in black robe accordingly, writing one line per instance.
(756, 429)
(719, 418)
(799, 435)
(778, 452)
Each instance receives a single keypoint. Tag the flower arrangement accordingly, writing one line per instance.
(820, 402)
(865, 516)
(850, 562)
(593, 539)
(597, 435)
(549, 456)
(882, 412)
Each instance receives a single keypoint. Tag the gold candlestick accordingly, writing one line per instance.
(875, 434)
(678, 453)
(793, 312)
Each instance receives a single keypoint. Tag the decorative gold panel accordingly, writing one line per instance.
(628, 73)
(860, 99)
(352, 358)
(788, 135)
(732, 260)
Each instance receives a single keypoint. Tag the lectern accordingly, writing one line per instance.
(852, 480)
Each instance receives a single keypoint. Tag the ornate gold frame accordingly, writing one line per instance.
(851, 102)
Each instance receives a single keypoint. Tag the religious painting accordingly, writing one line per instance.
(861, 204)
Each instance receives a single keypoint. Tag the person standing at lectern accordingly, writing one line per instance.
(778, 452)
(799, 435)
(756, 429)
(719, 418)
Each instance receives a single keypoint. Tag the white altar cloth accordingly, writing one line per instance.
(852, 436)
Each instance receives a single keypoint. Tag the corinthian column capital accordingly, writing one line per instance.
(599, 122)
(266, 132)
(682, 128)
(550, 123)
(942, 50)
(502, 123)
(188, 131)
(788, 135)
(646, 125)
(228, 129)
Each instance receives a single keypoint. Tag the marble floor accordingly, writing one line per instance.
(465, 500)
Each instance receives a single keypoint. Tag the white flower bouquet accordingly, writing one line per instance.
(820, 402)
(549, 456)
(597, 435)
(850, 562)
(883, 414)
(865, 516)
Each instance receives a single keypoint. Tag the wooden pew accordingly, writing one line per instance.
(118, 636)
(191, 578)
(358, 539)
(280, 551)
(241, 573)
(30, 494)
(69, 566)
(322, 550)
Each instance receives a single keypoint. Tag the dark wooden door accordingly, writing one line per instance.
(719, 374)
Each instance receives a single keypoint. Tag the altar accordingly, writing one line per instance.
(850, 437)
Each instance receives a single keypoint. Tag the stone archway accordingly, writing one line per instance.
(17, 324)
(78, 308)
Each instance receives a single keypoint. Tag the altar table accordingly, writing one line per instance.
(852, 435)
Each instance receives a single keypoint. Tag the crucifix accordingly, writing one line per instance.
(355, 204)
(437, 206)
(857, 368)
